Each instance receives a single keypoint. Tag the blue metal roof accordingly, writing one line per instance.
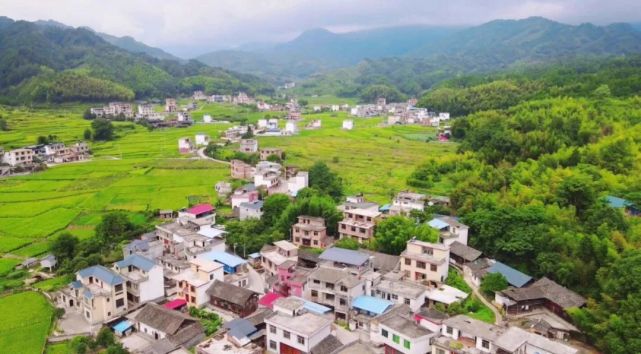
(371, 304)
(438, 224)
(385, 207)
(224, 258)
(343, 255)
(122, 326)
(513, 276)
(617, 202)
(87, 293)
(140, 245)
(76, 284)
(240, 328)
(316, 308)
(102, 273)
(137, 261)
(254, 255)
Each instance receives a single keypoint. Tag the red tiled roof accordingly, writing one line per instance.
(175, 304)
(268, 299)
(200, 208)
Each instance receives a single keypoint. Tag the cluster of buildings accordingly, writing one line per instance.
(400, 113)
(145, 111)
(53, 153)
(287, 299)
(114, 110)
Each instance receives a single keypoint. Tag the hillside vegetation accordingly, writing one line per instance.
(532, 176)
(35, 61)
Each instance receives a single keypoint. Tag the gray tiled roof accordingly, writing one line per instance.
(102, 273)
(345, 256)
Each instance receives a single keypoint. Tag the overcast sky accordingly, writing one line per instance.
(191, 27)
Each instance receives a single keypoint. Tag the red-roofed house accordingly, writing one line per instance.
(175, 304)
(201, 212)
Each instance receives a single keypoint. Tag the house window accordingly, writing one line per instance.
(342, 302)
(211, 276)
(396, 338)
(384, 333)
(286, 334)
(329, 286)
(406, 344)
(301, 340)
(440, 351)
(118, 288)
(120, 302)
(407, 301)
(394, 297)
(420, 265)
(343, 288)
(449, 330)
(316, 281)
(314, 293)
(408, 261)
(485, 344)
(272, 344)
(272, 329)
(433, 267)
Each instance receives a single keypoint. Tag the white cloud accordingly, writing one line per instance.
(196, 26)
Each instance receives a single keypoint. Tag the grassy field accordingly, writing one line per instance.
(142, 170)
(26, 319)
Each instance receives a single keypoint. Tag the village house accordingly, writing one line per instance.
(184, 239)
(273, 256)
(192, 283)
(219, 98)
(144, 279)
(425, 262)
(357, 202)
(401, 292)
(356, 262)
(241, 170)
(235, 269)
(267, 152)
(250, 210)
(291, 128)
(292, 330)
(18, 157)
(398, 333)
(202, 139)
(514, 277)
(169, 329)
(430, 318)
(145, 109)
(267, 174)
(310, 231)
(245, 194)
(314, 124)
(248, 146)
(619, 203)
(98, 293)
(543, 293)
(200, 214)
(170, 105)
(334, 287)
(348, 124)
(365, 309)
(404, 202)
(151, 248)
(223, 189)
(359, 224)
(235, 299)
(49, 262)
(450, 229)
(263, 106)
(241, 336)
(199, 96)
(471, 333)
(461, 254)
(242, 98)
(185, 145)
(291, 279)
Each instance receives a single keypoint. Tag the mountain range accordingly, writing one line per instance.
(47, 61)
(490, 46)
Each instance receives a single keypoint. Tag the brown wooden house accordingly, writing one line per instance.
(233, 298)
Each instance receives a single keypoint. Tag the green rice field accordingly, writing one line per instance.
(142, 170)
(26, 320)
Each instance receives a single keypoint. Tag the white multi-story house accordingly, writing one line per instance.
(404, 202)
(202, 139)
(144, 279)
(145, 109)
(272, 257)
(98, 293)
(425, 262)
(18, 157)
(398, 333)
(334, 287)
(292, 330)
(253, 210)
(248, 146)
(185, 145)
(348, 124)
(359, 224)
(401, 292)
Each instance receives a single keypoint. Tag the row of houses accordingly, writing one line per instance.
(45, 153)
(188, 145)
(270, 175)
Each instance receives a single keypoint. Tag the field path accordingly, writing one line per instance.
(497, 314)
(201, 154)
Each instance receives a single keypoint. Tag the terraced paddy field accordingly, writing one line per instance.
(142, 170)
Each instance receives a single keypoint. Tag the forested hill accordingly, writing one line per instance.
(541, 150)
(493, 46)
(57, 64)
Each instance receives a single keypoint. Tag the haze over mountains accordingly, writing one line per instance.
(493, 45)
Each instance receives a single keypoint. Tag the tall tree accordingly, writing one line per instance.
(322, 179)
